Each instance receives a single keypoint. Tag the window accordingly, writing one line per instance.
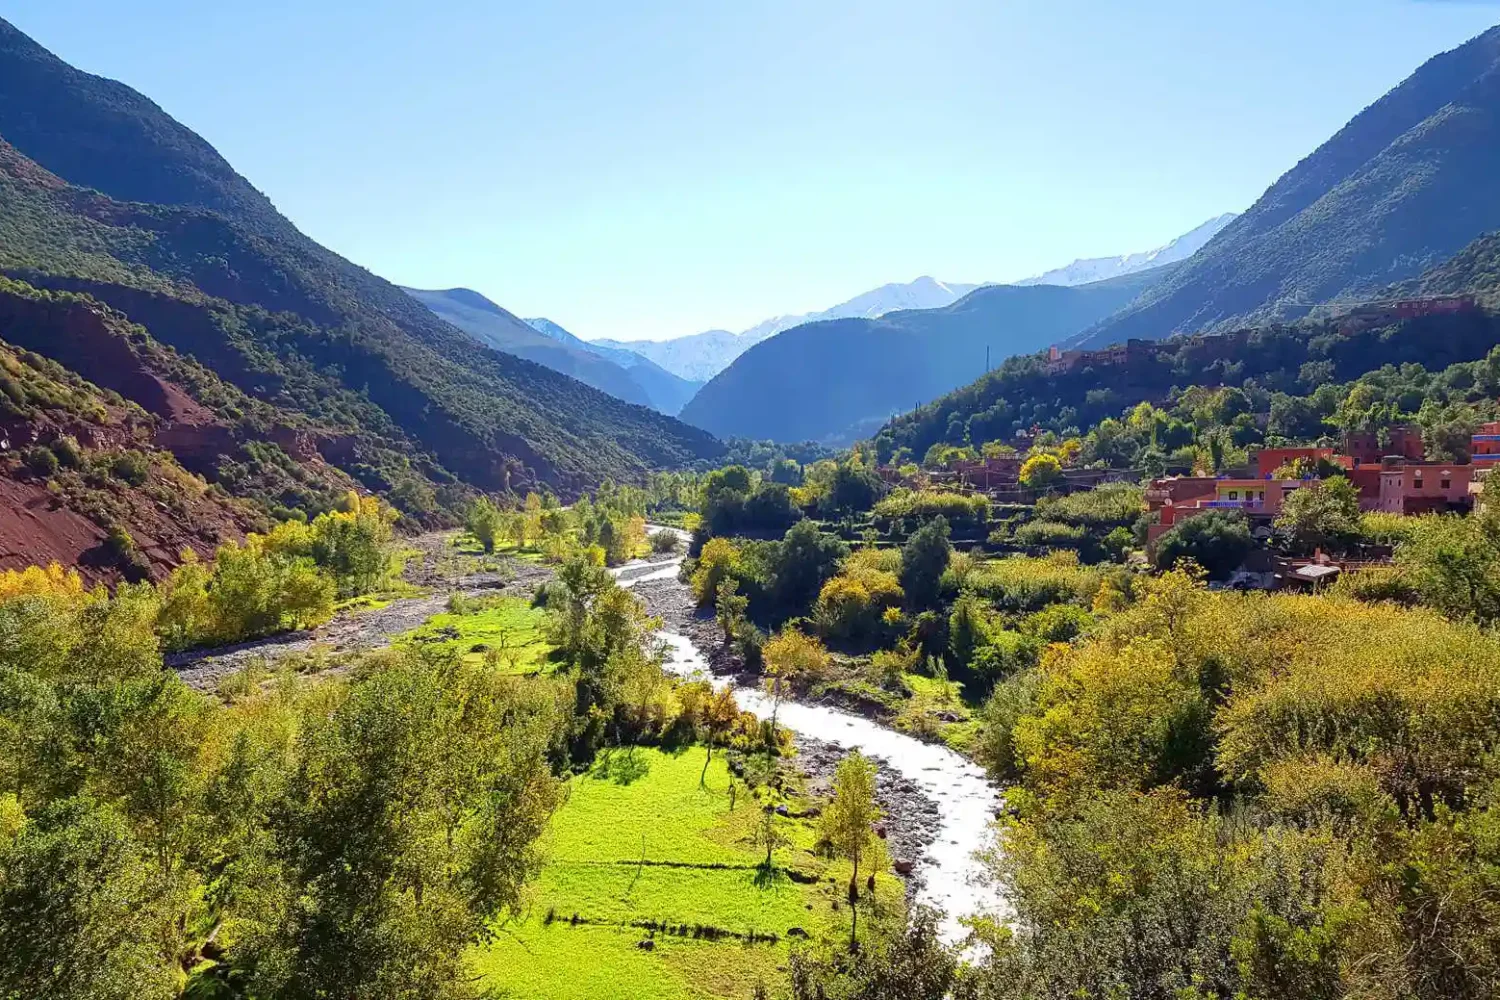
(1446, 482)
(1234, 494)
(1417, 483)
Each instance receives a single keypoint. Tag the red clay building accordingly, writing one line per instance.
(1424, 487)
(1271, 459)
(1364, 447)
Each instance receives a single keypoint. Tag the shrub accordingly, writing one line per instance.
(69, 456)
(40, 460)
(1218, 541)
(961, 510)
(132, 467)
(665, 542)
(1025, 583)
(1051, 535)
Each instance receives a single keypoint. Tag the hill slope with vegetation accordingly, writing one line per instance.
(1406, 184)
(210, 246)
(831, 380)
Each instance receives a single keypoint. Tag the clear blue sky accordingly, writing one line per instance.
(652, 168)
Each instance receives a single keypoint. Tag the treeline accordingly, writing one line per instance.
(1267, 386)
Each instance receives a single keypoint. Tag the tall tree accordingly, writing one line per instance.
(849, 823)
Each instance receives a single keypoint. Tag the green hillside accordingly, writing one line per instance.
(1291, 360)
(838, 379)
(1405, 185)
(215, 246)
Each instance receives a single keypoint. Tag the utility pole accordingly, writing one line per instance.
(986, 359)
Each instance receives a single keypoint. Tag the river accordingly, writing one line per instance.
(951, 876)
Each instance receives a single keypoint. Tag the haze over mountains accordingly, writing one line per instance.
(623, 374)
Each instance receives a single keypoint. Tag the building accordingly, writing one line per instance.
(1485, 447)
(1178, 499)
(1376, 314)
(1268, 460)
(1405, 441)
(1424, 487)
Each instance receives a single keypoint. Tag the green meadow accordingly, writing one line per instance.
(507, 631)
(641, 844)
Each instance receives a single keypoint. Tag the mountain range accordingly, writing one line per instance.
(1408, 183)
(701, 356)
(139, 259)
(833, 381)
(623, 374)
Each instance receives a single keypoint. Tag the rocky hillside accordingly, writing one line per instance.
(89, 478)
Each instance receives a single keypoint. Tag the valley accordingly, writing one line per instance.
(1126, 632)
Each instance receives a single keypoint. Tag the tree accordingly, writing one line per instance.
(409, 827)
(730, 607)
(855, 488)
(1218, 541)
(83, 913)
(848, 824)
(1320, 515)
(802, 563)
(719, 716)
(911, 963)
(923, 560)
(484, 522)
(1454, 562)
(1041, 471)
(768, 834)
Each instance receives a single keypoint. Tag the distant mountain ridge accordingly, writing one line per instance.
(701, 356)
(1406, 184)
(621, 374)
(834, 380)
(1086, 270)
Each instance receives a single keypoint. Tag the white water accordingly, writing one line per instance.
(965, 798)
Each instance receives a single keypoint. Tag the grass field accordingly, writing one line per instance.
(509, 627)
(701, 869)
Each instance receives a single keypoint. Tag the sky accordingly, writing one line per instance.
(652, 169)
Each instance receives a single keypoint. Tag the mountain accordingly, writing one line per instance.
(1408, 183)
(836, 379)
(499, 330)
(103, 195)
(1085, 270)
(701, 356)
(1474, 270)
(666, 392)
(697, 357)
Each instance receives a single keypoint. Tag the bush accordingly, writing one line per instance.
(960, 510)
(131, 467)
(40, 460)
(1051, 535)
(665, 542)
(69, 456)
(1025, 583)
(1218, 541)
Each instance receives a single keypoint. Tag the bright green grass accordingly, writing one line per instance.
(510, 627)
(593, 850)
